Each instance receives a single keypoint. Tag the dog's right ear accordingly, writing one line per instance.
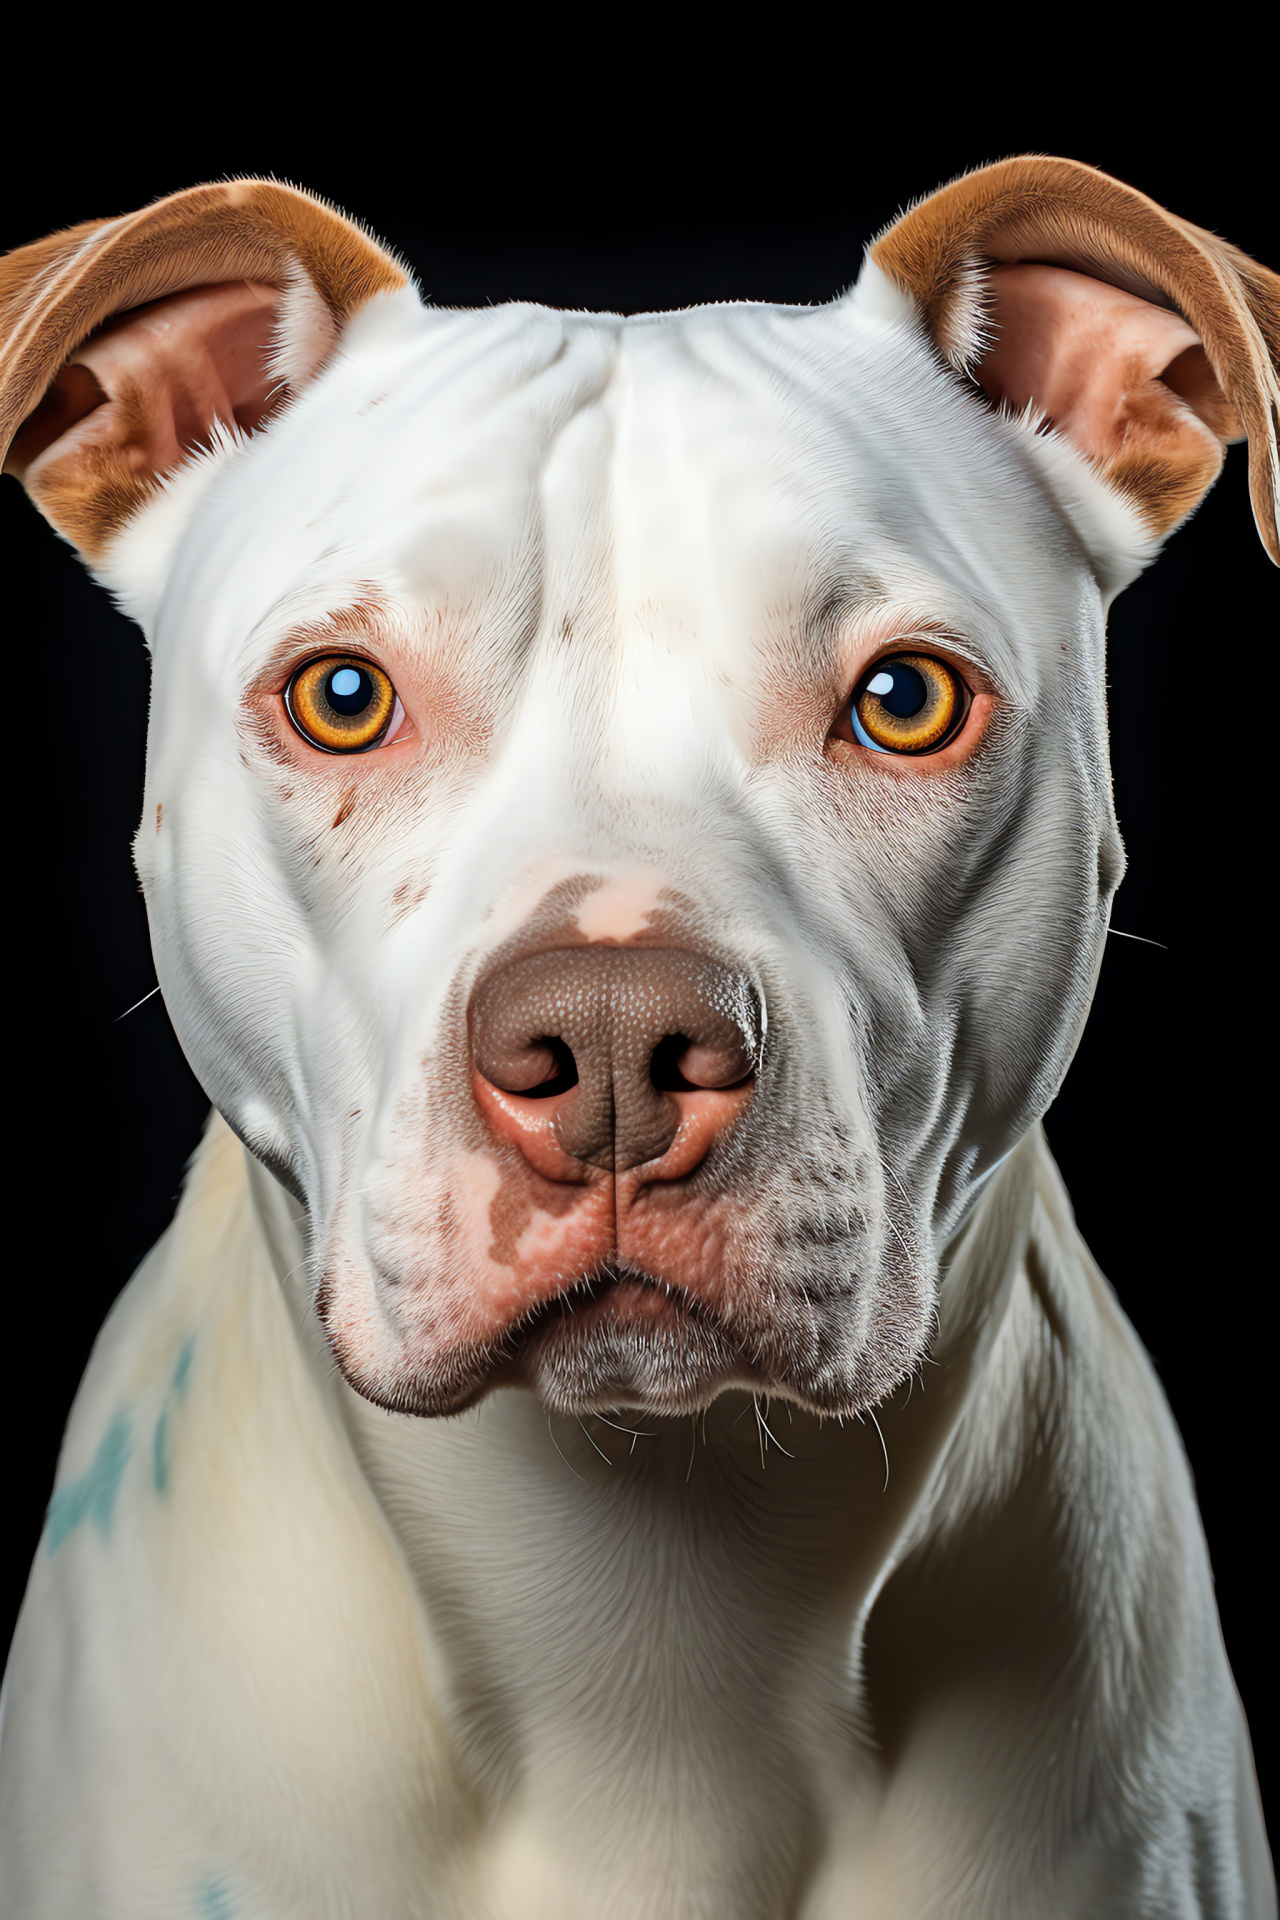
(125, 344)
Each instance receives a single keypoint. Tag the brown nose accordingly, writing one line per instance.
(603, 1055)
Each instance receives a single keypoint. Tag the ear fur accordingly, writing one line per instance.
(279, 274)
(957, 255)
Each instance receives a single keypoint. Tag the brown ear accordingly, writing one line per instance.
(124, 343)
(1151, 344)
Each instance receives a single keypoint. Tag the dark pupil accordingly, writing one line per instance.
(350, 689)
(907, 694)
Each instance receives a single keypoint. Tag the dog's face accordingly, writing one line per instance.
(624, 577)
(628, 833)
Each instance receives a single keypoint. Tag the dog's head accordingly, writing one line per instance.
(628, 834)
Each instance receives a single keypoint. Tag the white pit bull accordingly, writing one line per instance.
(623, 1423)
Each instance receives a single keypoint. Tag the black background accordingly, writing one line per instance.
(689, 188)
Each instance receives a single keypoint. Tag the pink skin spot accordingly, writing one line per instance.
(548, 1246)
(620, 909)
(476, 1181)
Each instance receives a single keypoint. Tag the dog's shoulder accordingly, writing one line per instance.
(213, 1558)
(1052, 1616)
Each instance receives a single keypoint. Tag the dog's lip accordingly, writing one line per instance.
(619, 1291)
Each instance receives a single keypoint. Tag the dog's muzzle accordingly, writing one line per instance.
(632, 1217)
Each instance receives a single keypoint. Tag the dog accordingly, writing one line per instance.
(623, 1422)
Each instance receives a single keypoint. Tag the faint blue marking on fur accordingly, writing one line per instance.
(178, 1384)
(160, 1438)
(92, 1494)
(213, 1900)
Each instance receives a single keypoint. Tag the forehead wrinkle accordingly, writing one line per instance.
(552, 369)
(483, 358)
(519, 534)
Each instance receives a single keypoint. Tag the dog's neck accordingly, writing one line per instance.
(641, 1607)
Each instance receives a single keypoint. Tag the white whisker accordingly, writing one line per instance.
(772, 1436)
(883, 1448)
(635, 1432)
(134, 1008)
(1122, 935)
(600, 1450)
(556, 1444)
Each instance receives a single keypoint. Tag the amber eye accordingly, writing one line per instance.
(340, 704)
(908, 703)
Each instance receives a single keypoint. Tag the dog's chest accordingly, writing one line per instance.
(652, 1685)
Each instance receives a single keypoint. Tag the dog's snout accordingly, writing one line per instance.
(614, 1057)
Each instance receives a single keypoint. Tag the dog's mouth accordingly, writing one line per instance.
(620, 1339)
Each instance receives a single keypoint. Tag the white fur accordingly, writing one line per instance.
(306, 331)
(286, 1654)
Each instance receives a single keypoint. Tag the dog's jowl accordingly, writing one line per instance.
(623, 1423)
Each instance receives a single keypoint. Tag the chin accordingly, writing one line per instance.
(626, 1343)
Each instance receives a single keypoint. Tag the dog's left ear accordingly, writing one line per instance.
(127, 344)
(1145, 341)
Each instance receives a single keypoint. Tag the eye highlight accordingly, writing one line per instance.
(340, 703)
(907, 703)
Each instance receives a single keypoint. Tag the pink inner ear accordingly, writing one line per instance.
(150, 386)
(1115, 374)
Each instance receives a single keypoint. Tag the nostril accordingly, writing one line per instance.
(665, 1069)
(681, 1065)
(562, 1073)
(539, 1071)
